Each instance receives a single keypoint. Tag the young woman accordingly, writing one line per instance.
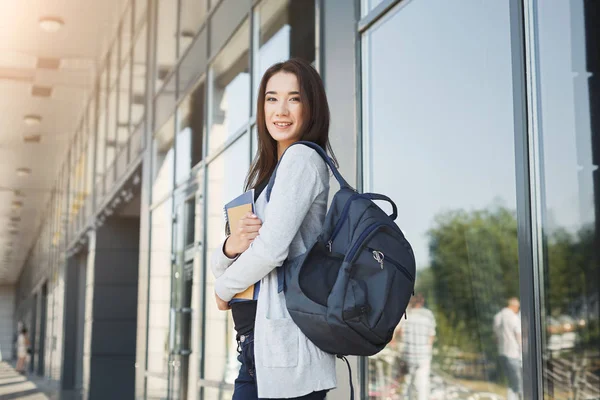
(22, 346)
(278, 361)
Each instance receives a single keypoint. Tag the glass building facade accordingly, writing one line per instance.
(479, 119)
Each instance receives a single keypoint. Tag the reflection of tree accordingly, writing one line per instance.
(474, 264)
(570, 287)
(474, 269)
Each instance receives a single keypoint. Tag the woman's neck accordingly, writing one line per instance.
(282, 147)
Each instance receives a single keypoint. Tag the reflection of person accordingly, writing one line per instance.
(507, 328)
(15, 339)
(22, 354)
(417, 336)
(278, 361)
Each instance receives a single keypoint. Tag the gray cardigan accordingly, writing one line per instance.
(287, 363)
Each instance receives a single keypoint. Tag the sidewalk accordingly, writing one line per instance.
(16, 386)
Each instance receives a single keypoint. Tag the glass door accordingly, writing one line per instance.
(180, 318)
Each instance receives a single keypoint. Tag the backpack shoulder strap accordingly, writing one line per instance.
(324, 156)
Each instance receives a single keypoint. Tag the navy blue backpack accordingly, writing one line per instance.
(350, 289)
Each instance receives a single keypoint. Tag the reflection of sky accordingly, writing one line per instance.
(275, 50)
(234, 107)
(440, 111)
(565, 119)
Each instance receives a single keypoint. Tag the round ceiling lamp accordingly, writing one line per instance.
(23, 171)
(32, 119)
(51, 24)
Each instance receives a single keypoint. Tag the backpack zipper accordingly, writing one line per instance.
(363, 236)
(382, 256)
(342, 219)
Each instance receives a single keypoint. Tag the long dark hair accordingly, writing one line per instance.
(315, 110)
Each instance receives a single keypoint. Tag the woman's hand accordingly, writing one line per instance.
(221, 304)
(240, 238)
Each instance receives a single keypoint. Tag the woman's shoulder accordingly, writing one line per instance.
(304, 155)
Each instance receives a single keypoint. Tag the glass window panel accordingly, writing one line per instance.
(230, 89)
(91, 148)
(138, 102)
(141, 11)
(226, 175)
(159, 298)
(190, 219)
(192, 15)
(190, 132)
(166, 40)
(111, 134)
(211, 393)
(569, 68)
(368, 5)
(254, 142)
(448, 132)
(126, 38)
(163, 160)
(273, 38)
(123, 126)
(113, 60)
(102, 117)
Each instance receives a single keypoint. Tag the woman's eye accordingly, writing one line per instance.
(271, 99)
(295, 99)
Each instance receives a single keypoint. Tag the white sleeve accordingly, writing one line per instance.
(219, 261)
(297, 185)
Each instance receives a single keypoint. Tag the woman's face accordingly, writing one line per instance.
(283, 109)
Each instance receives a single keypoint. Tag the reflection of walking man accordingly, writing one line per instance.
(507, 327)
(418, 334)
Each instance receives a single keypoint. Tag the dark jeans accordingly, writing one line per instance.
(245, 384)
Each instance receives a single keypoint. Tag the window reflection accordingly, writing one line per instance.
(438, 126)
(163, 160)
(159, 300)
(369, 5)
(217, 394)
(254, 142)
(90, 122)
(111, 120)
(141, 10)
(274, 38)
(166, 40)
(101, 140)
(139, 77)
(123, 127)
(192, 15)
(286, 29)
(190, 132)
(568, 39)
(226, 176)
(230, 90)
(126, 35)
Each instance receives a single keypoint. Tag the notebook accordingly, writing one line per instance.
(234, 211)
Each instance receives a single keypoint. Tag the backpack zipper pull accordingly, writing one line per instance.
(378, 256)
(329, 245)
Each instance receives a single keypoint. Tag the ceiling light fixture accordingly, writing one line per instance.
(23, 171)
(51, 24)
(188, 34)
(32, 119)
